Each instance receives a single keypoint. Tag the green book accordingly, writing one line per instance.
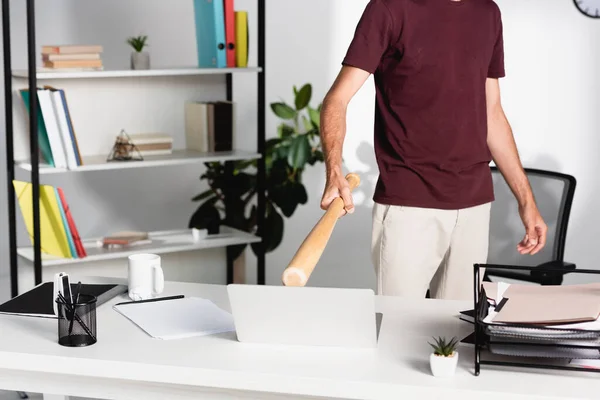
(43, 141)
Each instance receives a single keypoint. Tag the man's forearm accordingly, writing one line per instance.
(333, 131)
(506, 157)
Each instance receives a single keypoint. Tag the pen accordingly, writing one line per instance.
(151, 300)
(74, 307)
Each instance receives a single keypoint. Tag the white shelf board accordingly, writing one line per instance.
(178, 157)
(75, 74)
(162, 242)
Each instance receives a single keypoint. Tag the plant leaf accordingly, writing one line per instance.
(284, 131)
(300, 192)
(303, 96)
(307, 124)
(203, 195)
(206, 215)
(285, 197)
(273, 231)
(283, 111)
(299, 152)
(315, 117)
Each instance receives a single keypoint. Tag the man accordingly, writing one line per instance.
(438, 124)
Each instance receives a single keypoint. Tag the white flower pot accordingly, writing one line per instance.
(140, 60)
(443, 367)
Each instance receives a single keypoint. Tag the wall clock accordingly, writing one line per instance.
(589, 8)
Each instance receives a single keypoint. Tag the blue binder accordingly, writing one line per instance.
(210, 33)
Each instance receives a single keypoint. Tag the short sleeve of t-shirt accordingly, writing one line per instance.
(496, 68)
(373, 35)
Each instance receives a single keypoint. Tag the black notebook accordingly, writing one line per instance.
(38, 302)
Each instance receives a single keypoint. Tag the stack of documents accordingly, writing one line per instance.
(177, 318)
(543, 321)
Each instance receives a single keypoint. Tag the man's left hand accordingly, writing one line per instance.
(535, 231)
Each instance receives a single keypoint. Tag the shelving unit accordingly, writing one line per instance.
(178, 157)
(43, 75)
(162, 241)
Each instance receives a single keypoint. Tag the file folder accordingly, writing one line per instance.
(210, 33)
(229, 32)
(241, 39)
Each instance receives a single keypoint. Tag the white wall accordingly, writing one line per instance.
(550, 96)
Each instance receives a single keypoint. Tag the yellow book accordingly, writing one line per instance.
(241, 39)
(53, 235)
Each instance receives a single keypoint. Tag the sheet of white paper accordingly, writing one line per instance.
(502, 286)
(178, 318)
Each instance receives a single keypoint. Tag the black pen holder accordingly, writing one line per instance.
(77, 322)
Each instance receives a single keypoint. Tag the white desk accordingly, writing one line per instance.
(126, 364)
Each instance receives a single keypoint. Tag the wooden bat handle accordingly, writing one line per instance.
(302, 265)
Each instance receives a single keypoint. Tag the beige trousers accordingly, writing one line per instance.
(415, 249)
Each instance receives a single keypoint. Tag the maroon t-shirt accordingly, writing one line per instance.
(430, 60)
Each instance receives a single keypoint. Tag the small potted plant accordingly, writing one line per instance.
(444, 358)
(139, 58)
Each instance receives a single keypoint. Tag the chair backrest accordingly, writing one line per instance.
(554, 195)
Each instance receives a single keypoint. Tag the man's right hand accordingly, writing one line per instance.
(337, 186)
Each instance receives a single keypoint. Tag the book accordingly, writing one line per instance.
(38, 301)
(71, 49)
(43, 141)
(196, 126)
(52, 128)
(65, 57)
(124, 238)
(220, 125)
(73, 64)
(65, 123)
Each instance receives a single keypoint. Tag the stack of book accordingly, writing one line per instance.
(209, 126)
(72, 57)
(56, 135)
(58, 232)
(152, 144)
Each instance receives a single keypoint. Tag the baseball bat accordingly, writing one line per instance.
(304, 261)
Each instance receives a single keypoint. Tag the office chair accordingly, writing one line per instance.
(554, 194)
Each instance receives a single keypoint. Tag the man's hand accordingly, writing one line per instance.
(333, 131)
(337, 186)
(535, 231)
(502, 145)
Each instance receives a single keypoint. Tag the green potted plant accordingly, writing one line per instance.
(232, 185)
(140, 59)
(444, 359)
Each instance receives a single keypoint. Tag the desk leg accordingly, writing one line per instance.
(55, 397)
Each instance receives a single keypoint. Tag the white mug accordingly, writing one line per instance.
(145, 278)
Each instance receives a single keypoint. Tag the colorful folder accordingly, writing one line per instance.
(53, 236)
(241, 39)
(210, 33)
(229, 32)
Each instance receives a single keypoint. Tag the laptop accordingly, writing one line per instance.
(305, 316)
